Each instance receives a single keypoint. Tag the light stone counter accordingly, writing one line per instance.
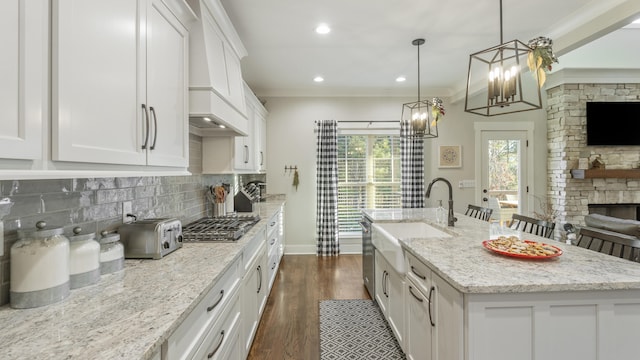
(128, 314)
(470, 268)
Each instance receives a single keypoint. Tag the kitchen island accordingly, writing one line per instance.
(129, 314)
(580, 305)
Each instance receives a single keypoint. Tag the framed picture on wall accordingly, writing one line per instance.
(450, 156)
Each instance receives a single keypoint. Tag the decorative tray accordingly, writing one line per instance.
(526, 249)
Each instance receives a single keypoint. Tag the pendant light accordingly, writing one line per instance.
(499, 81)
(417, 116)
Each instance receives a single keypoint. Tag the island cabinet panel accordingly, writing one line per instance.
(434, 316)
(583, 325)
(390, 296)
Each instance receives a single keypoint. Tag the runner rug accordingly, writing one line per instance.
(355, 329)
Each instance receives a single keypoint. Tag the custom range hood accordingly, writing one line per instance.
(217, 104)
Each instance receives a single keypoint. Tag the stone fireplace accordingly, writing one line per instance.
(566, 138)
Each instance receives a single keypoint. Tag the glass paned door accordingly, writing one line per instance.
(503, 170)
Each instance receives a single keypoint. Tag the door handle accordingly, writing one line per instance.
(146, 116)
(155, 127)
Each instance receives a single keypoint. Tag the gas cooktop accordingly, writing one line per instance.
(219, 229)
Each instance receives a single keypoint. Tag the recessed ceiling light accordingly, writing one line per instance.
(221, 126)
(206, 119)
(318, 79)
(323, 29)
(401, 79)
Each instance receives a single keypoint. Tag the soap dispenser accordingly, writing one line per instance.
(441, 213)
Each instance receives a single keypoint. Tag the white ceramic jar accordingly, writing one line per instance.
(39, 267)
(111, 253)
(84, 259)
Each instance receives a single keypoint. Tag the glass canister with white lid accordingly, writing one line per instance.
(111, 253)
(84, 259)
(39, 267)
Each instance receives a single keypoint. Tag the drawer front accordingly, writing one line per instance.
(190, 333)
(251, 250)
(223, 335)
(418, 272)
(272, 265)
(274, 224)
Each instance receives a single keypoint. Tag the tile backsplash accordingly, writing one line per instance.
(95, 204)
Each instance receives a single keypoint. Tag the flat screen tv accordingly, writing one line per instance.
(613, 123)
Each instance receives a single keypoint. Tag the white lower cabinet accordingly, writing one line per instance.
(218, 311)
(254, 289)
(434, 314)
(274, 245)
(390, 296)
(223, 339)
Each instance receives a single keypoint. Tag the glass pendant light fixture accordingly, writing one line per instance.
(499, 81)
(417, 116)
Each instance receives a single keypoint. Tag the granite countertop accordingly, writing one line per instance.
(472, 269)
(128, 314)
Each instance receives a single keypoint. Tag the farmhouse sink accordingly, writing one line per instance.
(385, 238)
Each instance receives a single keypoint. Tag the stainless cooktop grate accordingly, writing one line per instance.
(219, 229)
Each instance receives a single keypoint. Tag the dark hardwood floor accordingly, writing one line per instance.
(289, 328)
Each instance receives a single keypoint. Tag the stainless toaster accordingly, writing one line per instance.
(151, 238)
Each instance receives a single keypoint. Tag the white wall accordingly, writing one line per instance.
(291, 142)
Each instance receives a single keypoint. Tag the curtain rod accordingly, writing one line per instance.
(367, 121)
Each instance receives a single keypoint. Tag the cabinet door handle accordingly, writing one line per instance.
(385, 283)
(259, 277)
(261, 158)
(413, 270)
(365, 226)
(217, 301)
(155, 127)
(431, 302)
(213, 352)
(414, 295)
(274, 265)
(246, 154)
(146, 117)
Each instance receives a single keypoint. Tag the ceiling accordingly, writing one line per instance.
(369, 45)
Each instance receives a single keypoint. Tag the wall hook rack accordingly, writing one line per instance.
(288, 169)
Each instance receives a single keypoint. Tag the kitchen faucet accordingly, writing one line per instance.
(450, 218)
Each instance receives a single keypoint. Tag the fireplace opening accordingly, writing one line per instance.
(622, 211)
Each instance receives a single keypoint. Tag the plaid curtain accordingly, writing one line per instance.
(412, 166)
(327, 188)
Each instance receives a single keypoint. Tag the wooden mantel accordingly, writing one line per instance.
(606, 173)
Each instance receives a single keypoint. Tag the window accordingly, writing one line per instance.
(368, 177)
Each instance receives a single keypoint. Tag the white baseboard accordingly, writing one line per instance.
(347, 246)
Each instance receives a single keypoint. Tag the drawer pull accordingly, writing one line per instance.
(210, 355)
(217, 301)
(413, 270)
(414, 295)
(272, 223)
(273, 241)
(274, 265)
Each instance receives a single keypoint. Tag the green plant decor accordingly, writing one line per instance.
(541, 58)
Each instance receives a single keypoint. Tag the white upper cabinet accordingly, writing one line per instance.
(119, 83)
(23, 77)
(167, 82)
